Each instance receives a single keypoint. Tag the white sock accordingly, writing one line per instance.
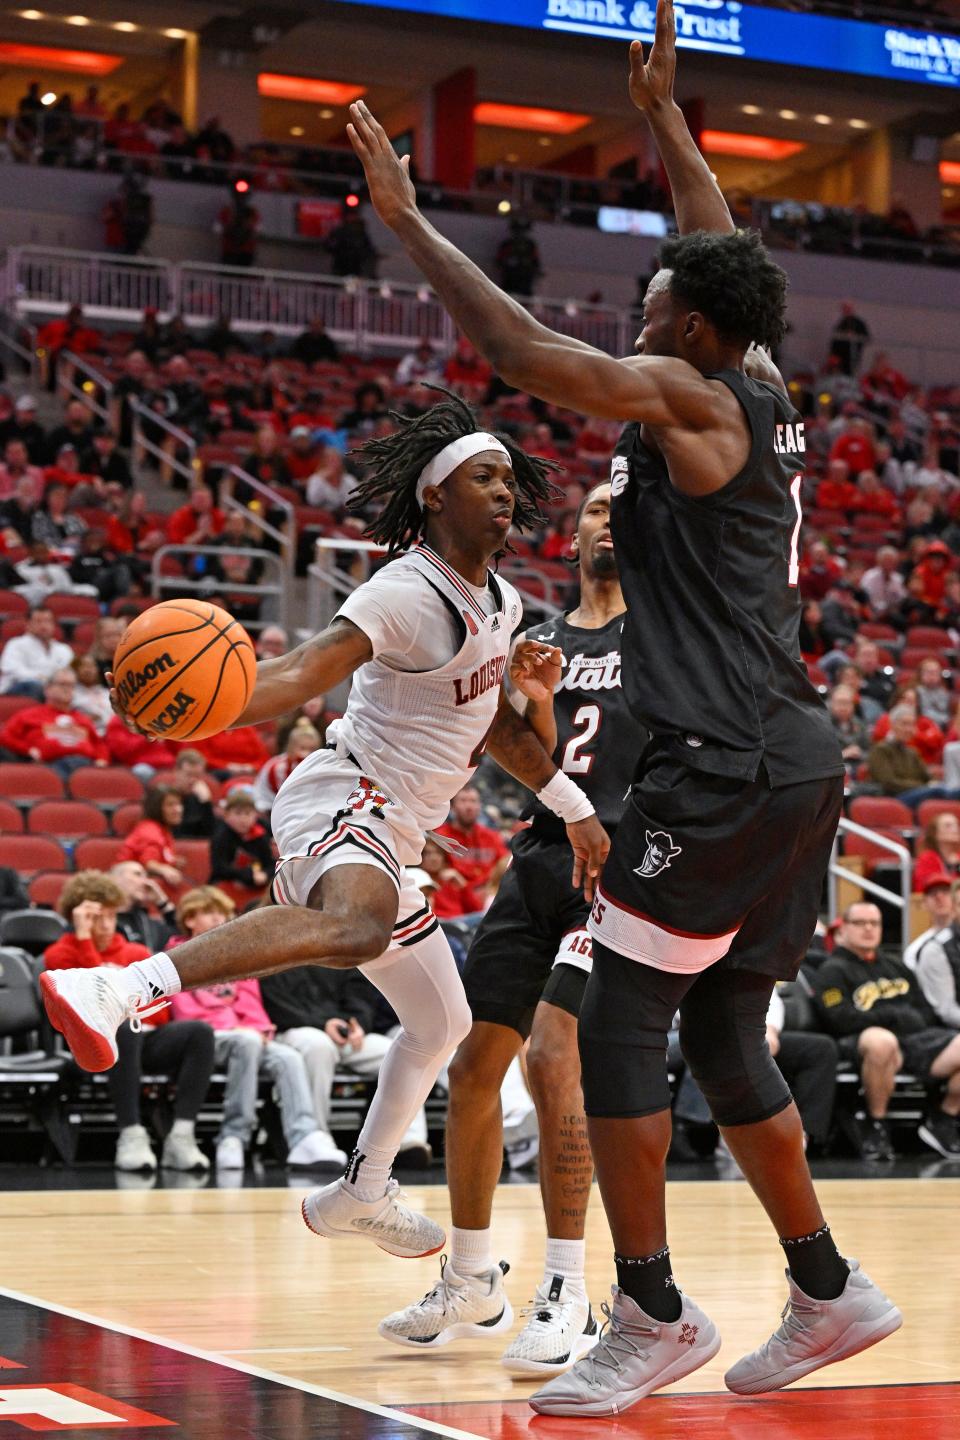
(183, 1129)
(153, 979)
(470, 1251)
(566, 1258)
(368, 1171)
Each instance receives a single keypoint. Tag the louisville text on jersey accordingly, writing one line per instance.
(487, 677)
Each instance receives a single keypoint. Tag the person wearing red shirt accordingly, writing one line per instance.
(54, 733)
(835, 492)
(941, 853)
(151, 841)
(145, 757)
(932, 571)
(234, 752)
(487, 855)
(465, 370)
(855, 447)
(819, 572)
(66, 333)
(181, 1048)
(872, 499)
(198, 522)
(451, 897)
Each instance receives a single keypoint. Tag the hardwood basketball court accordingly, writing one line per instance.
(285, 1322)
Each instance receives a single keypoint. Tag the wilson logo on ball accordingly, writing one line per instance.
(132, 683)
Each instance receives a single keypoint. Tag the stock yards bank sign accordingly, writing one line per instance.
(725, 27)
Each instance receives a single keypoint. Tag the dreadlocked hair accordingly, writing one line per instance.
(396, 462)
(732, 281)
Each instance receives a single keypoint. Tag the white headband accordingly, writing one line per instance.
(453, 455)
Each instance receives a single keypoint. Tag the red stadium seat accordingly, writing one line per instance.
(879, 812)
(911, 656)
(928, 637)
(874, 630)
(74, 607)
(142, 602)
(928, 810)
(66, 819)
(126, 816)
(82, 637)
(10, 704)
(29, 853)
(13, 604)
(97, 853)
(46, 887)
(29, 782)
(197, 855)
(11, 819)
(107, 786)
(17, 625)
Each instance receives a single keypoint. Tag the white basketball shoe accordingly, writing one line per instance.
(459, 1307)
(88, 1007)
(560, 1329)
(334, 1212)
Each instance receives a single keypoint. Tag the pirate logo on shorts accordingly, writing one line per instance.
(660, 851)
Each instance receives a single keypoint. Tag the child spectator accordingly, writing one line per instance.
(151, 841)
(241, 851)
(243, 1041)
(90, 903)
(303, 739)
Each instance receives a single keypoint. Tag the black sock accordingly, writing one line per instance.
(816, 1264)
(649, 1280)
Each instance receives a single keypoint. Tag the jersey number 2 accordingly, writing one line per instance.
(574, 763)
(793, 574)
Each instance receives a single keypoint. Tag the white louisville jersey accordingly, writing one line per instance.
(421, 732)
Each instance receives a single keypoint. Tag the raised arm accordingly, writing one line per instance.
(697, 200)
(661, 391)
(313, 668)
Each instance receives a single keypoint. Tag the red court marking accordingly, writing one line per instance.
(44, 1413)
(6, 1364)
(924, 1412)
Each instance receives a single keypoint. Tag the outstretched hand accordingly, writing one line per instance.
(651, 84)
(388, 174)
(536, 669)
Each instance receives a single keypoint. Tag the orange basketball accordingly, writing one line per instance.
(184, 669)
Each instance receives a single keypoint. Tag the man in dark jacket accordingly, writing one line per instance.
(149, 915)
(875, 1008)
(327, 1015)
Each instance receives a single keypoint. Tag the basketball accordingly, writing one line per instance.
(184, 669)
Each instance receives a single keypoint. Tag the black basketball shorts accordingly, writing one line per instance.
(708, 870)
(532, 944)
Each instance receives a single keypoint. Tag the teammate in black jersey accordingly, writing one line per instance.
(713, 883)
(525, 976)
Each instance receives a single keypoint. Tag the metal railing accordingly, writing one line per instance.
(904, 859)
(274, 594)
(270, 499)
(94, 389)
(49, 280)
(143, 418)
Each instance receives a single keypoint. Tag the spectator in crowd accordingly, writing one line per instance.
(244, 1043)
(234, 754)
(221, 338)
(90, 902)
(13, 896)
(91, 697)
(518, 258)
(938, 903)
(272, 642)
(215, 144)
(819, 571)
(466, 371)
(934, 699)
(314, 344)
(107, 634)
(132, 385)
(331, 484)
(25, 426)
(836, 492)
(55, 733)
(68, 333)
(928, 737)
(808, 1062)
(369, 408)
(451, 896)
(241, 851)
(21, 516)
(938, 968)
(876, 679)
(486, 855)
(97, 568)
(874, 1007)
(350, 248)
(848, 339)
(419, 366)
(76, 429)
(16, 467)
(102, 458)
(265, 462)
(189, 779)
(198, 522)
(144, 757)
(128, 216)
(151, 841)
(147, 915)
(932, 571)
(851, 731)
(894, 763)
(29, 660)
(40, 576)
(329, 1017)
(238, 226)
(302, 454)
(853, 446)
(941, 851)
(55, 524)
(302, 741)
(883, 583)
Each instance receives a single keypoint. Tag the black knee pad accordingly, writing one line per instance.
(626, 1012)
(730, 1060)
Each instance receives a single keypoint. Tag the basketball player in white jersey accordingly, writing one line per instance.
(427, 641)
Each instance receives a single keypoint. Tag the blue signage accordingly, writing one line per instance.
(725, 27)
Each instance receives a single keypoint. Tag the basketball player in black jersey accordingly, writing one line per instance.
(525, 976)
(713, 884)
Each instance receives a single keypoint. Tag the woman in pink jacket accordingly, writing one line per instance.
(244, 1043)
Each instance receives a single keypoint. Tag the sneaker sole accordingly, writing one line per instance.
(90, 1048)
(462, 1330)
(617, 1404)
(929, 1138)
(516, 1365)
(354, 1235)
(858, 1336)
